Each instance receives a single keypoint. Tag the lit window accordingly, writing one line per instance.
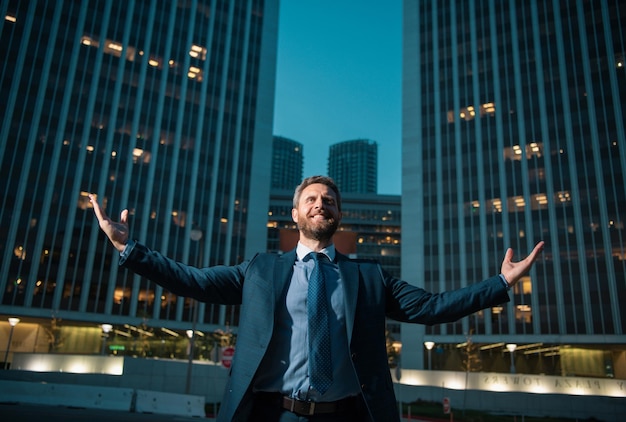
(515, 153)
(20, 253)
(496, 205)
(197, 52)
(114, 46)
(563, 196)
(179, 218)
(195, 73)
(88, 41)
(84, 202)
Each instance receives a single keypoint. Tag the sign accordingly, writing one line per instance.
(227, 356)
(446, 405)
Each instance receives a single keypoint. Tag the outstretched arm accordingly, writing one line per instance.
(116, 232)
(513, 271)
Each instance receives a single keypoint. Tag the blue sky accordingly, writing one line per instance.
(339, 77)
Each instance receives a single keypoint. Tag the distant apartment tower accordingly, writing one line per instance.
(287, 163)
(354, 166)
(164, 108)
(513, 132)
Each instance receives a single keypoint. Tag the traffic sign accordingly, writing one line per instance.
(227, 356)
(446, 405)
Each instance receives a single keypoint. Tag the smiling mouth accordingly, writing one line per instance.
(319, 217)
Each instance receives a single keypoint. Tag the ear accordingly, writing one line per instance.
(294, 215)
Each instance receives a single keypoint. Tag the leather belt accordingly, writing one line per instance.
(309, 408)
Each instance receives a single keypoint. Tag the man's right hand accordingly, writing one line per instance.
(116, 232)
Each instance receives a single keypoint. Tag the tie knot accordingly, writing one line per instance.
(317, 256)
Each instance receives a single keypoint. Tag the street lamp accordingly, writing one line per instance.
(106, 329)
(12, 322)
(429, 345)
(511, 348)
(190, 361)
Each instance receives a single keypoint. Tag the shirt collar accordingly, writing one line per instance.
(303, 251)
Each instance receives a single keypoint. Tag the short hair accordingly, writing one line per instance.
(324, 180)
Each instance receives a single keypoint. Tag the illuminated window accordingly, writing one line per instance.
(496, 205)
(563, 196)
(84, 202)
(197, 52)
(523, 313)
(468, 113)
(19, 253)
(524, 286)
(179, 218)
(515, 153)
(141, 156)
(195, 73)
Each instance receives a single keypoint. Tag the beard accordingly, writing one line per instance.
(321, 230)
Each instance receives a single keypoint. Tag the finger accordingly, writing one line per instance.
(508, 256)
(124, 217)
(536, 251)
(96, 208)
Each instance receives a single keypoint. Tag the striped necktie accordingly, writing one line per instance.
(320, 365)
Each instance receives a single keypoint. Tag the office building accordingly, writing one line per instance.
(287, 162)
(513, 132)
(354, 165)
(164, 108)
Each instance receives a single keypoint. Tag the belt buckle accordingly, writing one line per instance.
(305, 407)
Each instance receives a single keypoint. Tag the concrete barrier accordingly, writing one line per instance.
(169, 403)
(92, 397)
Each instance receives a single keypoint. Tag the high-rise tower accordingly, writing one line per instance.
(513, 132)
(162, 107)
(287, 160)
(354, 165)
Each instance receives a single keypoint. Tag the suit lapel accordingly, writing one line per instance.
(282, 273)
(349, 271)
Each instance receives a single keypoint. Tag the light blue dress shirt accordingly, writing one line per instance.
(285, 366)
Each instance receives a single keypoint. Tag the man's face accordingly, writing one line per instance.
(317, 215)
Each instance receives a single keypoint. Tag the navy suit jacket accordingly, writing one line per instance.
(371, 295)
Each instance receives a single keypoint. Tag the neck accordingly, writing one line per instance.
(314, 244)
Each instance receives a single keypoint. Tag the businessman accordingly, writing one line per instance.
(311, 335)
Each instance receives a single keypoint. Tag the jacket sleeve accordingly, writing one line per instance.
(408, 303)
(220, 284)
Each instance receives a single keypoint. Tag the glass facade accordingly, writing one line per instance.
(287, 161)
(354, 166)
(513, 132)
(164, 108)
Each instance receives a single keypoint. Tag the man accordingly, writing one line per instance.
(274, 376)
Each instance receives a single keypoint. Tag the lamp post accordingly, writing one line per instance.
(12, 322)
(429, 346)
(190, 336)
(196, 235)
(511, 348)
(106, 329)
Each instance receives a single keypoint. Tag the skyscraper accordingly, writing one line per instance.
(162, 107)
(513, 133)
(287, 160)
(354, 165)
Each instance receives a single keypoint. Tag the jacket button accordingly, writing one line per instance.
(363, 387)
(353, 356)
